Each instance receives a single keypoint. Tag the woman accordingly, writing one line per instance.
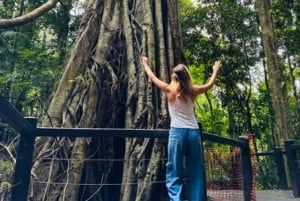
(184, 134)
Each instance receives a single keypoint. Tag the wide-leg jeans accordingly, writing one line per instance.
(185, 142)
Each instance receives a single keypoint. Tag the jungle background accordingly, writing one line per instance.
(257, 89)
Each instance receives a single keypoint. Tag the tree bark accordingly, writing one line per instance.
(104, 85)
(276, 79)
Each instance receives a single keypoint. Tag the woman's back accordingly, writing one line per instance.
(182, 113)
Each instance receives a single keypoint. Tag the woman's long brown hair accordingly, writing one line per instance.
(182, 75)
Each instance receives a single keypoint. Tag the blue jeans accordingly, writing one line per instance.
(185, 142)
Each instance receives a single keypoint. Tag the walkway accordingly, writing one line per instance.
(275, 195)
(265, 195)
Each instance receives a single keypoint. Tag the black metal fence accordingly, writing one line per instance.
(274, 161)
(290, 157)
(29, 131)
(292, 154)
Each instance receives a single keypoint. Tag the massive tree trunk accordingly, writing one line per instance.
(104, 85)
(276, 79)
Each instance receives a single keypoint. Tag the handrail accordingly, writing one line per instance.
(28, 130)
(295, 146)
(11, 116)
(100, 132)
(124, 132)
(226, 141)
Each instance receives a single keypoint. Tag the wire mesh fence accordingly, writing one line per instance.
(223, 174)
(222, 167)
(223, 177)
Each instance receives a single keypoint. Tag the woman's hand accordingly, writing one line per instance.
(144, 60)
(159, 83)
(217, 65)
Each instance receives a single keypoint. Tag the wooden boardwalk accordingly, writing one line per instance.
(265, 195)
(275, 195)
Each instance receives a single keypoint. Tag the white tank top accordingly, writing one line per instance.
(182, 114)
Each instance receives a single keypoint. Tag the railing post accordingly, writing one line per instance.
(293, 167)
(246, 169)
(280, 169)
(22, 172)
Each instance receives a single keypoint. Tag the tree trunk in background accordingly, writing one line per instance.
(277, 84)
(294, 89)
(104, 85)
(274, 142)
(63, 29)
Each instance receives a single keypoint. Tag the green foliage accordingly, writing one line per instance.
(267, 177)
(262, 118)
(208, 108)
(286, 15)
(32, 58)
(5, 185)
(7, 134)
(240, 101)
(6, 170)
(287, 25)
(34, 93)
(227, 31)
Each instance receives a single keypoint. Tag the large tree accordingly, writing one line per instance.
(104, 85)
(276, 77)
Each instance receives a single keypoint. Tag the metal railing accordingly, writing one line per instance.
(28, 130)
